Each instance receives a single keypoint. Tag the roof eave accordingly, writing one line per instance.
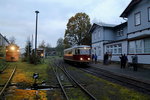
(131, 4)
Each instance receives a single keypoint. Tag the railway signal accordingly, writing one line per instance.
(35, 77)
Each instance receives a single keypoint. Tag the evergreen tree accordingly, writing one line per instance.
(60, 46)
(28, 50)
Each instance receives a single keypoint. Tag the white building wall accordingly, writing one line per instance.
(138, 34)
(142, 59)
(97, 48)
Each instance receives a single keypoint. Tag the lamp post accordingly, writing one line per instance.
(36, 33)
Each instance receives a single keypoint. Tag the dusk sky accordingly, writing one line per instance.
(17, 17)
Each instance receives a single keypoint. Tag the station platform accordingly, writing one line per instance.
(142, 74)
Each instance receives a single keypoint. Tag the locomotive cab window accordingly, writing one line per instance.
(78, 51)
(84, 51)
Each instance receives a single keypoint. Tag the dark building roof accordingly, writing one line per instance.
(4, 37)
(121, 25)
(101, 24)
(129, 7)
(108, 25)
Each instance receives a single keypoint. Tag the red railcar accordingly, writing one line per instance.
(78, 54)
(12, 53)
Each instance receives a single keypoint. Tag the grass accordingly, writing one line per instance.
(102, 89)
(25, 72)
(24, 77)
(3, 64)
(27, 95)
(105, 90)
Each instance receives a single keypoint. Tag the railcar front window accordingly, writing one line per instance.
(84, 51)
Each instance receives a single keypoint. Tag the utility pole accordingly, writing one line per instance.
(36, 33)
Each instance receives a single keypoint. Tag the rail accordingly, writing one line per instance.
(78, 84)
(61, 86)
(8, 81)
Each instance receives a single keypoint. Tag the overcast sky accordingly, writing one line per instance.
(17, 17)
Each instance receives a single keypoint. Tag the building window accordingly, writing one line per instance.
(119, 49)
(149, 14)
(111, 49)
(99, 51)
(114, 49)
(147, 45)
(138, 46)
(132, 47)
(138, 18)
(120, 32)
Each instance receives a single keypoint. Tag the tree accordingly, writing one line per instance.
(2, 51)
(28, 50)
(77, 32)
(12, 40)
(60, 46)
(42, 44)
(48, 49)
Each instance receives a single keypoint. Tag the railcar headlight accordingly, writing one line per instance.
(84, 47)
(89, 58)
(12, 48)
(81, 58)
(42, 54)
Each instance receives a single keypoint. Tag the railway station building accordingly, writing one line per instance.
(3, 43)
(130, 38)
(3, 40)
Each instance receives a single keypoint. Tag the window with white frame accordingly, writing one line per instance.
(120, 32)
(138, 44)
(107, 49)
(138, 18)
(111, 49)
(132, 47)
(147, 45)
(114, 49)
(99, 51)
(119, 49)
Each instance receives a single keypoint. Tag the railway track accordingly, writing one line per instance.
(7, 83)
(59, 66)
(137, 85)
(3, 69)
